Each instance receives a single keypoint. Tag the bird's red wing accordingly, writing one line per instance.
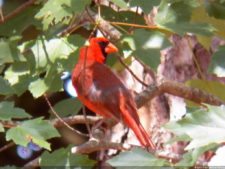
(97, 88)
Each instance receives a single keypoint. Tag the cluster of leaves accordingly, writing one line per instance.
(33, 56)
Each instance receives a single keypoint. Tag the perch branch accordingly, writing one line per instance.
(96, 145)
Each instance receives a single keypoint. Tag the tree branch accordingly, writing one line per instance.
(77, 119)
(192, 94)
(7, 146)
(176, 89)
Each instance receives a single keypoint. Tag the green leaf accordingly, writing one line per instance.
(15, 70)
(47, 52)
(36, 130)
(120, 3)
(52, 58)
(68, 106)
(9, 50)
(198, 28)
(75, 41)
(5, 88)
(54, 12)
(5, 55)
(172, 17)
(212, 87)
(145, 5)
(190, 158)
(147, 46)
(204, 127)
(52, 78)
(136, 157)
(9, 112)
(122, 16)
(63, 157)
(38, 88)
(23, 83)
(1, 128)
(215, 9)
(217, 65)
(16, 25)
(173, 11)
(75, 6)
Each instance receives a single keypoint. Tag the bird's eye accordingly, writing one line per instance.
(103, 44)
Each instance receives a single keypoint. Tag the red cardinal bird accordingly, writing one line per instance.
(100, 90)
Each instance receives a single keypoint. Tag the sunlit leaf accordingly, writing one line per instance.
(54, 12)
(36, 130)
(16, 70)
(204, 127)
(46, 52)
(1, 128)
(147, 45)
(5, 55)
(38, 87)
(173, 11)
(172, 16)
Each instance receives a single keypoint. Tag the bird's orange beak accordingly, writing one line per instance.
(110, 48)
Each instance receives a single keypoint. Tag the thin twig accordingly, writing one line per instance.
(62, 121)
(131, 72)
(85, 121)
(135, 25)
(146, 68)
(18, 10)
